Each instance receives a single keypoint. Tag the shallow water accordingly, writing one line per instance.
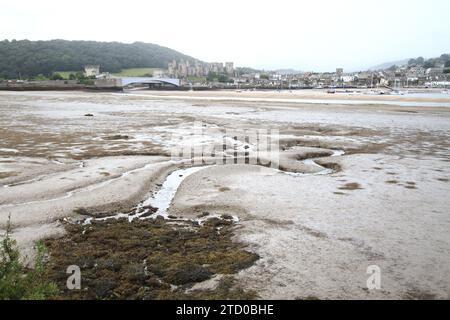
(310, 101)
(164, 196)
(162, 199)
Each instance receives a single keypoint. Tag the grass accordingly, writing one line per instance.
(135, 72)
(66, 74)
(17, 282)
(197, 79)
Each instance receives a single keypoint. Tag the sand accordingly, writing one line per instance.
(383, 200)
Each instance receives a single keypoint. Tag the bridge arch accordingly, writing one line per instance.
(125, 81)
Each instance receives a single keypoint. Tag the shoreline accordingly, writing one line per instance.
(295, 97)
(418, 95)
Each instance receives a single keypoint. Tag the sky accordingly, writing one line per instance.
(318, 35)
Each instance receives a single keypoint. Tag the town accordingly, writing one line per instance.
(219, 75)
(185, 75)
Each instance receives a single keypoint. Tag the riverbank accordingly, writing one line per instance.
(102, 85)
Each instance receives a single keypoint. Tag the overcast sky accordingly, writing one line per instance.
(306, 35)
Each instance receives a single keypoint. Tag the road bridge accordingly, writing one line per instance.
(125, 81)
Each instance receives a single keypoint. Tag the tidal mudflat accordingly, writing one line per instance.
(353, 185)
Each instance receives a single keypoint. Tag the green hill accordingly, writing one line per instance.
(31, 58)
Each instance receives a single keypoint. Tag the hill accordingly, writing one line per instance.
(442, 60)
(387, 65)
(287, 71)
(31, 58)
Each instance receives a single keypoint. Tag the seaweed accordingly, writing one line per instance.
(149, 259)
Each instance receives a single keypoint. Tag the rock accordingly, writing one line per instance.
(117, 137)
(148, 211)
(88, 115)
(146, 214)
(150, 208)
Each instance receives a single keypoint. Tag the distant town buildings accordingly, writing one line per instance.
(185, 69)
(220, 74)
(395, 77)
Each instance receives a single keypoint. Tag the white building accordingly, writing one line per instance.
(91, 70)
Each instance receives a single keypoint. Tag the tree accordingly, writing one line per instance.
(40, 77)
(56, 76)
(80, 76)
(392, 68)
(30, 58)
(223, 78)
(447, 64)
(428, 64)
(212, 76)
(445, 57)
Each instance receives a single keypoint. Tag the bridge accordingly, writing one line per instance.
(125, 81)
